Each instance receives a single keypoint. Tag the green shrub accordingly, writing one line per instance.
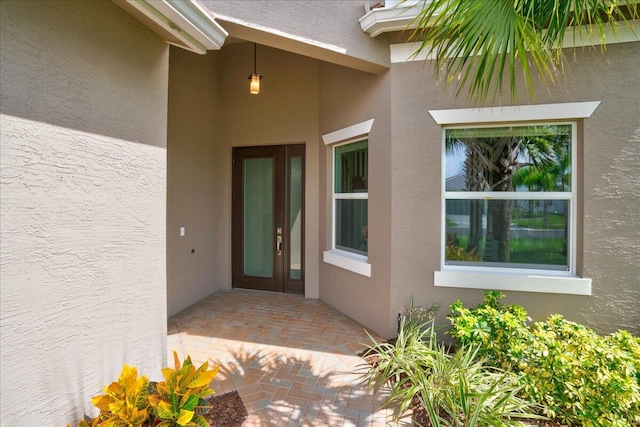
(579, 377)
(499, 330)
(582, 378)
(456, 389)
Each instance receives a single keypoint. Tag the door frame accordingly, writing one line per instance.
(281, 280)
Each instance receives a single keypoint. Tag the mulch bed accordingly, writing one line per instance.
(228, 410)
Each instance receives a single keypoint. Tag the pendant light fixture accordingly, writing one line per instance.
(254, 84)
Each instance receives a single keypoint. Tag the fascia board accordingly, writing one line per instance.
(195, 20)
(191, 27)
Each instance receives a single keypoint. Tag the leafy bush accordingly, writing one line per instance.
(455, 389)
(499, 330)
(579, 377)
(582, 378)
(179, 400)
(137, 402)
(125, 401)
(454, 252)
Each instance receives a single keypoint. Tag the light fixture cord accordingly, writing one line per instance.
(255, 46)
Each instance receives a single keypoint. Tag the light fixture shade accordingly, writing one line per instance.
(254, 85)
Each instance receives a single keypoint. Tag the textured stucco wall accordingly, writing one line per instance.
(192, 135)
(83, 93)
(610, 189)
(348, 97)
(329, 29)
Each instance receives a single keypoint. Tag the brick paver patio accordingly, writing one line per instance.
(292, 360)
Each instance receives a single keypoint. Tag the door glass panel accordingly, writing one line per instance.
(295, 218)
(258, 216)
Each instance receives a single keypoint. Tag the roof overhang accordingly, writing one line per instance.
(288, 42)
(183, 23)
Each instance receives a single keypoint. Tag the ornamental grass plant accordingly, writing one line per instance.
(456, 389)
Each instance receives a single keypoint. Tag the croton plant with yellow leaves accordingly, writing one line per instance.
(134, 401)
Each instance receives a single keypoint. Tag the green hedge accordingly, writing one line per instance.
(579, 377)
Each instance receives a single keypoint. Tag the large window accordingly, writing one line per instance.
(510, 196)
(350, 197)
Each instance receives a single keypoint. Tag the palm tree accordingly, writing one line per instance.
(477, 43)
(556, 177)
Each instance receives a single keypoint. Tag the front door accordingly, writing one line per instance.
(268, 218)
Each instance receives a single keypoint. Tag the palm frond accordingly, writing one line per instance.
(475, 45)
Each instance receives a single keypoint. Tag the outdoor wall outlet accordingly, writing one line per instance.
(181, 231)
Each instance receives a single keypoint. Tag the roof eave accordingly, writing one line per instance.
(181, 23)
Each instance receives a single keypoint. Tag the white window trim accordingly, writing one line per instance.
(534, 282)
(503, 278)
(347, 260)
(523, 113)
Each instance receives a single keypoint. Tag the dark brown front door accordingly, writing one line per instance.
(268, 218)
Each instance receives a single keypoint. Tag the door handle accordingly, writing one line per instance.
(279, 245)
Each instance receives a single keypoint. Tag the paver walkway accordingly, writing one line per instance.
(292, 360)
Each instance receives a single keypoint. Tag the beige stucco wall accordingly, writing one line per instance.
(348, 97)
(210, 112)
(327, 30)
(610, 188)
(82, 205)
(192, 135)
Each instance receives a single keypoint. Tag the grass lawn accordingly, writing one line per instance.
(555, 221)
(532, 251)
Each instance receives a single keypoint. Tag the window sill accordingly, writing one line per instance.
(527, 282)
(352, 262)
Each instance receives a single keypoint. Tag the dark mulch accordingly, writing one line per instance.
(228, 410)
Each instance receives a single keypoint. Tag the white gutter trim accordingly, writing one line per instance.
(627, 32)
(387, 19)
(184, 20)
(195, 19)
